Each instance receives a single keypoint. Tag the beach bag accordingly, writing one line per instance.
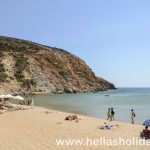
(134, 115)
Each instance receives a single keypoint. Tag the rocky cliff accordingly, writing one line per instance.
(33, 68)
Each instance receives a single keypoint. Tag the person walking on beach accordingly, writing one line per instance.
(112, 114)
(108, 114)
(32, 103)
(132, 116)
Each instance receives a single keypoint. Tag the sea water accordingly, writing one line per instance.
(97, 104)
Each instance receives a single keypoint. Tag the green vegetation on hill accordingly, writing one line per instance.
(21, 65)
(3, 75)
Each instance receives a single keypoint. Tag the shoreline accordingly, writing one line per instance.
(61, 111)
(96, 105)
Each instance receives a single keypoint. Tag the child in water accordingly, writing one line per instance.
(108, 114)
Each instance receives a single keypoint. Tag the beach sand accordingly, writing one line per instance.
(33, 129)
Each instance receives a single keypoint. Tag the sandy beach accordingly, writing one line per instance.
(33, 129)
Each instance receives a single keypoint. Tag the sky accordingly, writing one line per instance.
(111, 36)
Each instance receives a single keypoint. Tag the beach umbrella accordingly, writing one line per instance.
(6, 96)
(18, 97)
(2, 96)
(147, 122)
(9, 96)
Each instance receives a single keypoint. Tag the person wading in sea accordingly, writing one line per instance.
(108, 114)
(112, 114)
(132, 116)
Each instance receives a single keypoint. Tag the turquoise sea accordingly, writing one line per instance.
(97, 104)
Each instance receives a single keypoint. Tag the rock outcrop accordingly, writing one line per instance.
(27, 67)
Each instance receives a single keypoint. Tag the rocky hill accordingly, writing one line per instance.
(27, 67)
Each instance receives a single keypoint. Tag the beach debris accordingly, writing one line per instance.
(77, 120)
(106, 127)
(47, 112)
(101, 127)
(59, 123)
(1, 112)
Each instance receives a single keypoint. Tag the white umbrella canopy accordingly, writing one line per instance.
(9, 96)
(2, 96)
(18, 97)
(6, 96)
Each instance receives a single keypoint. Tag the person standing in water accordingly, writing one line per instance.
(112, 114)
(32, 103)
(108, 114)
(132, 116)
